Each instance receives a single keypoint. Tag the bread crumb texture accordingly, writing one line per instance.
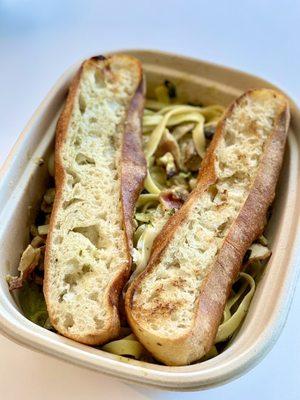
(88, 246)
(165, 299)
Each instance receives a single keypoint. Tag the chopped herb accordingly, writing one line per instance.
(185, 175)
(171, 211)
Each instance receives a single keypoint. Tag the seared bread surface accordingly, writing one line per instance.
(176, 305)
(99, 172)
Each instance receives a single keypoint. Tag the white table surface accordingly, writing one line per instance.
(39, 40)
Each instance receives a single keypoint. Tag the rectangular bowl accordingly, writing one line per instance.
(23, 180)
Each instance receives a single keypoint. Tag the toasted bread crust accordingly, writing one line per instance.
(216, 287)
(133, 165)
(131, 157)
(133, 173)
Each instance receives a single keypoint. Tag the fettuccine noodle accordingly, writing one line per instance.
(231, 324)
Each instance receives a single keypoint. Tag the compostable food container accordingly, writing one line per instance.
(23, 179)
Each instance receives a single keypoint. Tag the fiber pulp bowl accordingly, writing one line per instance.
(23, 181)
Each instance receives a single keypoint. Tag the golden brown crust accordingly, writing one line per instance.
(133, 172)
(133, 162)
(216, 287)
(131, 158)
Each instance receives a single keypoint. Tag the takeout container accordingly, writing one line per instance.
(23, 181)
